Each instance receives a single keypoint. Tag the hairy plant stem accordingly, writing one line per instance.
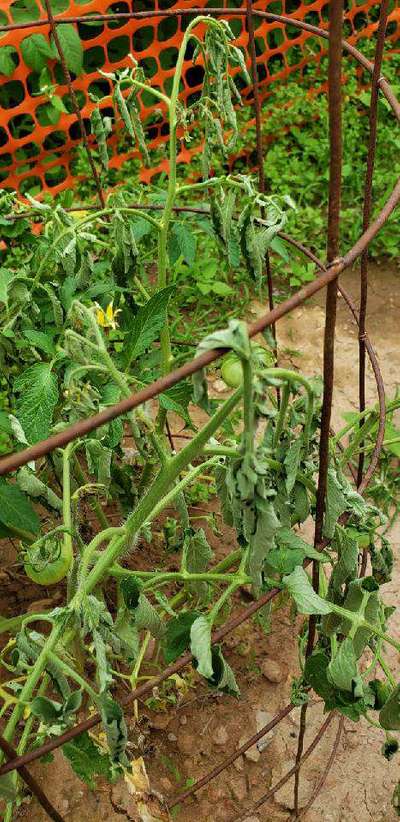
(248, 408)
(66, 509)
(94, 504)
(390, 406)
(162, 280)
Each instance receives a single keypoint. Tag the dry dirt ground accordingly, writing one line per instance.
(190, 738)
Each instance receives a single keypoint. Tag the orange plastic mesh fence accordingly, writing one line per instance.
(37, 155)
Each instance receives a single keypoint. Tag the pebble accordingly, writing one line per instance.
(221, 736)
(262, 719)
(272, 670)
(239, 788)
(186, 742)
(160, 721)
(220, 386)
(65, 805)
(252, 754)
(183, 720)
(172, 738)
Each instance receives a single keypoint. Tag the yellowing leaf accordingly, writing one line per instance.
(137, 780)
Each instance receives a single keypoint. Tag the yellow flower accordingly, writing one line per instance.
(78, 215)
(107, 318)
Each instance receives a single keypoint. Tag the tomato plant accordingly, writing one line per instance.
(84, 323)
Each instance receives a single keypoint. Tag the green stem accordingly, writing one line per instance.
(391, 406)
(31, 682)
(94, 504)
(212, 181)
(358, 622)
(90, 550)
(162, 281)
(180, 486)
(135, 671)
(72, 674)
(248, 407)
(236, 583)
(186, 576)
(67, 517)
(384, 444)
(25, 736)
(221, 567)
(150, 90)
(282, 413)
(359, 436)
(140, 287)
(386, 670)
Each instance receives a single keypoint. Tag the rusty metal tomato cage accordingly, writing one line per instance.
(326, 277)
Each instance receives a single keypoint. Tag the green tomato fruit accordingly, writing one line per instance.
(47, 571)
(231, 371)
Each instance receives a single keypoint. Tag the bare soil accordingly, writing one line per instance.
(187, 739)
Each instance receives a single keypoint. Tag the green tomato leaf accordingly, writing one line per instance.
(262, 541)
(7, 65)
(223, 677)
(335, 504)
(177, 635)
(8, 788)
(38, 390)
(86, 759)
(130, 588)
(342, 670)
(99, 461)
(284, 560)
(292, 462)
(40, 340)
(299, 587)
(47, 710)
(28, 481)
(115, 728)
(197, 555)
(389, 715)
(287, 538)
(181, 243)
(104, 676)
(200, 646)
(315, 674)
(36, 51)
(147, 324)
(15, 509)
(146, 617)
(235, 337)
(71, 45)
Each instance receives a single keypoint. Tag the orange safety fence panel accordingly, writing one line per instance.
(38, 155)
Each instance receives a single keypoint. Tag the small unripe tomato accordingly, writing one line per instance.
(231, 371)
(49, 565)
